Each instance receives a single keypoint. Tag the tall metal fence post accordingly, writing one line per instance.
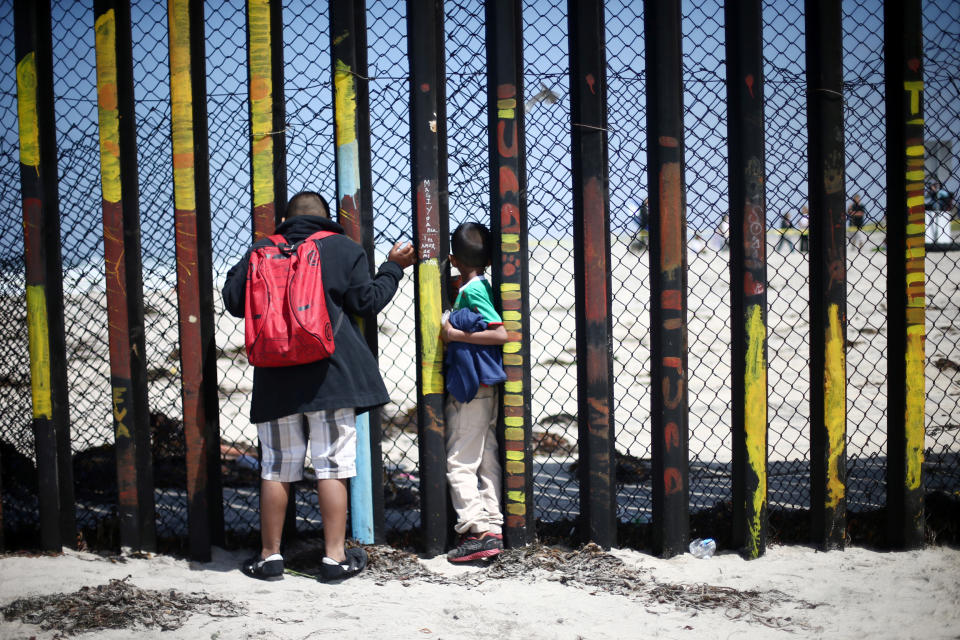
(906, 300)
(508, 217)
(191, 191)
(351, 111)
(44, 274)
(591, 231)
(428, 158)
(121, 234)
(267, 114)
(268, 173)
(748, 273)
(828, 274)
(668, 277)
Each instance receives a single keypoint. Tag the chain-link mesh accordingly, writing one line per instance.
(310, 165)
(941, 51)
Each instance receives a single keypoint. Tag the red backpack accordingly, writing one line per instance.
(286, 308)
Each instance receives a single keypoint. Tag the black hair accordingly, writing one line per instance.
(307, 203)
(471, 245)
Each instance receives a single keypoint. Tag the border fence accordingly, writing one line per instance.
(703, 327)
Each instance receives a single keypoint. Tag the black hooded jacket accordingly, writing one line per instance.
(348, 378)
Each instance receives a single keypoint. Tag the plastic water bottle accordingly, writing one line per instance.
(703, 547)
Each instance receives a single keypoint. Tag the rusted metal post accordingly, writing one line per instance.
(351, 111)
(268, 182)
(668, 277)
(591, 232)
(748, 273)
(44, 275)
(828, 274)
(508, 217)
(121, 234)
(428, 158)
(906, 300)
(191, 194)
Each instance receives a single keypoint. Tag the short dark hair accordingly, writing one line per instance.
(307, 203)
(471, 245)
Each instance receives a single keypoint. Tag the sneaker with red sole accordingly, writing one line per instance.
(472, 547)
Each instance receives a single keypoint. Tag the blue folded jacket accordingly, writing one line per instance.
(468, 365)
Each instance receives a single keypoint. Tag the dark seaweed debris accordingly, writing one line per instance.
(117, 605)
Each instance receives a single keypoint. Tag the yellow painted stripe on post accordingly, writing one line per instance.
(261, 103)
(39, 341)
(835, 404)
(512, 400)
(513, 386)
(107, 103)
(916, 390)
(345, 103)
(511, 347)
(915, 176)
(515, 467)
(181, 106)
(915, 150)
(755, 400)
(516, 508)
(513, 421)
(27, 111)
(513, 433)
(516, 496)
(915, 201)
(514, 455)
(431, 363)
(512, 316)
(513, 359)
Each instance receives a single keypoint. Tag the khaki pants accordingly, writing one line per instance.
(473, 464)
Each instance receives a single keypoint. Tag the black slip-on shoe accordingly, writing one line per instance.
(355, 563)
(261, 569)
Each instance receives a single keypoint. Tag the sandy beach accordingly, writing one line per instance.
(791, 592)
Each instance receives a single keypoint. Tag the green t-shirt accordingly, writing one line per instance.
(477, 295)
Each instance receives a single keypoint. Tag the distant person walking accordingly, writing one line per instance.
(856, 213)
(803, 226)
(642, 219)
(786, 227)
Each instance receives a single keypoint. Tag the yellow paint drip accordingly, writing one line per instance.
(106, 46)
(27, 111)
(431, 369)
(915, 379)
(835, 399)
(181, 106)
(345, 103)
(39, 340)
(261, 106)
(755, 389)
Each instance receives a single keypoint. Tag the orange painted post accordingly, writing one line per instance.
(906, 300)
(828, 275)
(748, 273)
(121, 234)
(668, 277)
(198, 366)
(591, 221)
(44, 276)
(508, 227)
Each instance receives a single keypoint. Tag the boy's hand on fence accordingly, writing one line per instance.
(403, 255)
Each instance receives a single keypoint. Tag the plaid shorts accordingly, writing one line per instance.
(333, 445)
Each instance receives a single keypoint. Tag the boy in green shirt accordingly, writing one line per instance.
(473, 465)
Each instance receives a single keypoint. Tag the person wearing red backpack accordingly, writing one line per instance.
(323, 396)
